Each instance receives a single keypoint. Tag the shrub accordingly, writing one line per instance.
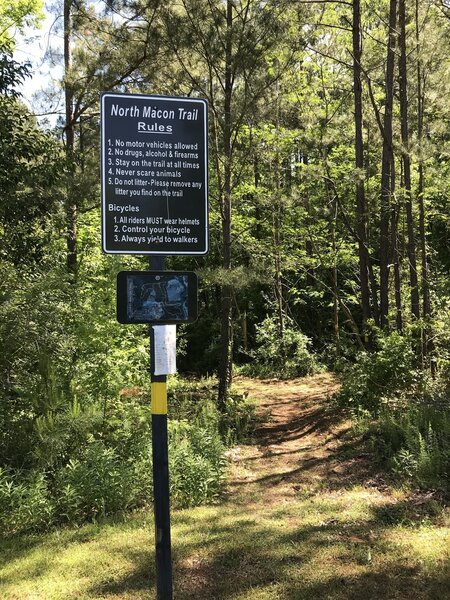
(95, 469)
(377, 377)
(63, 433)
(97, 483)
(414, 442)
(187, 400)
(282, 356)
(195, 402)
(238, 420)
(405, 417)
(196, 464)
(25, 502)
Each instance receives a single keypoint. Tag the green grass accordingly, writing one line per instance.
(347, 544)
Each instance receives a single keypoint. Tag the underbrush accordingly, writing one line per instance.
(414, 442)
(403, 415)
(282, 356)
(105, 466)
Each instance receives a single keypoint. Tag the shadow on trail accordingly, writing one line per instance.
(318, 420)
(137, 584)
(255, 556)
(313, 444)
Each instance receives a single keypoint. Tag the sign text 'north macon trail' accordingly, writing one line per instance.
(154, 174)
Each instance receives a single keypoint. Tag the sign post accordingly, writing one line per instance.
(154, 175)
(160, 455)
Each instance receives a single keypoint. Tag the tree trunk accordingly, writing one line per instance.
(310, 279)
(71, 203)
(335, 280)
(225, 367)
(411, 247)
(395, 213)
(359, 163)
(386, 167)
(427, 343)
(277, 218)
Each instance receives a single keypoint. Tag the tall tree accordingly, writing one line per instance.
(100, 52)
(225, 198)
(69, 130)
(387, 165)
(406, 161)
(361, 210)
(427, 344)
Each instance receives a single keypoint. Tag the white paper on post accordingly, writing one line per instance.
(165, 337)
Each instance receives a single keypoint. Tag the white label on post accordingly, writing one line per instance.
(165, 349)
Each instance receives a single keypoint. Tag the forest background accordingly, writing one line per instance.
(329, 229)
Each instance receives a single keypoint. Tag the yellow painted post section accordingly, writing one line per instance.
(159, 398)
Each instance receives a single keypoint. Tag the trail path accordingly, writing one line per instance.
(295, 444)
(306, 516)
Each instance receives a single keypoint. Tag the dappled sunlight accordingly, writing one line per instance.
(304, 515)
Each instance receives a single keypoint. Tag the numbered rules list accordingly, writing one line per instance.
(154, 174)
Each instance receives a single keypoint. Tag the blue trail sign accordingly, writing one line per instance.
(154, 174)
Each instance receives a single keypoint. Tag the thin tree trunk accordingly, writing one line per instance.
(225, 367)
(359, 163)
(335, 280)
(427, 342)
(395, 213)
(386, 167)
(256, 179)
(71, 203)
(310, 279)
(277, 217)
(277, 266)
(426, 300)
(411, 247)
(373, 281)
(333, 200)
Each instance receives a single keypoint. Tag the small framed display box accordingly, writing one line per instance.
(156, 297)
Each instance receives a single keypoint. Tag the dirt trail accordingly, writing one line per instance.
(306, 514)
(298, 445)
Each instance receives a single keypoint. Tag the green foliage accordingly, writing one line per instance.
(15, 15)
(95, 463)
(30, 169)
(281, 354)
(238, 420)
(404, 417)
(196, 463)
(376, 377)
(25, 501)
(35, 357)
(63, 434)
(96, 484)
(413, 440)
(195, 401)
(198, 436)
(12, 74)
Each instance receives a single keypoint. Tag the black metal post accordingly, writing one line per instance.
(161, 502)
